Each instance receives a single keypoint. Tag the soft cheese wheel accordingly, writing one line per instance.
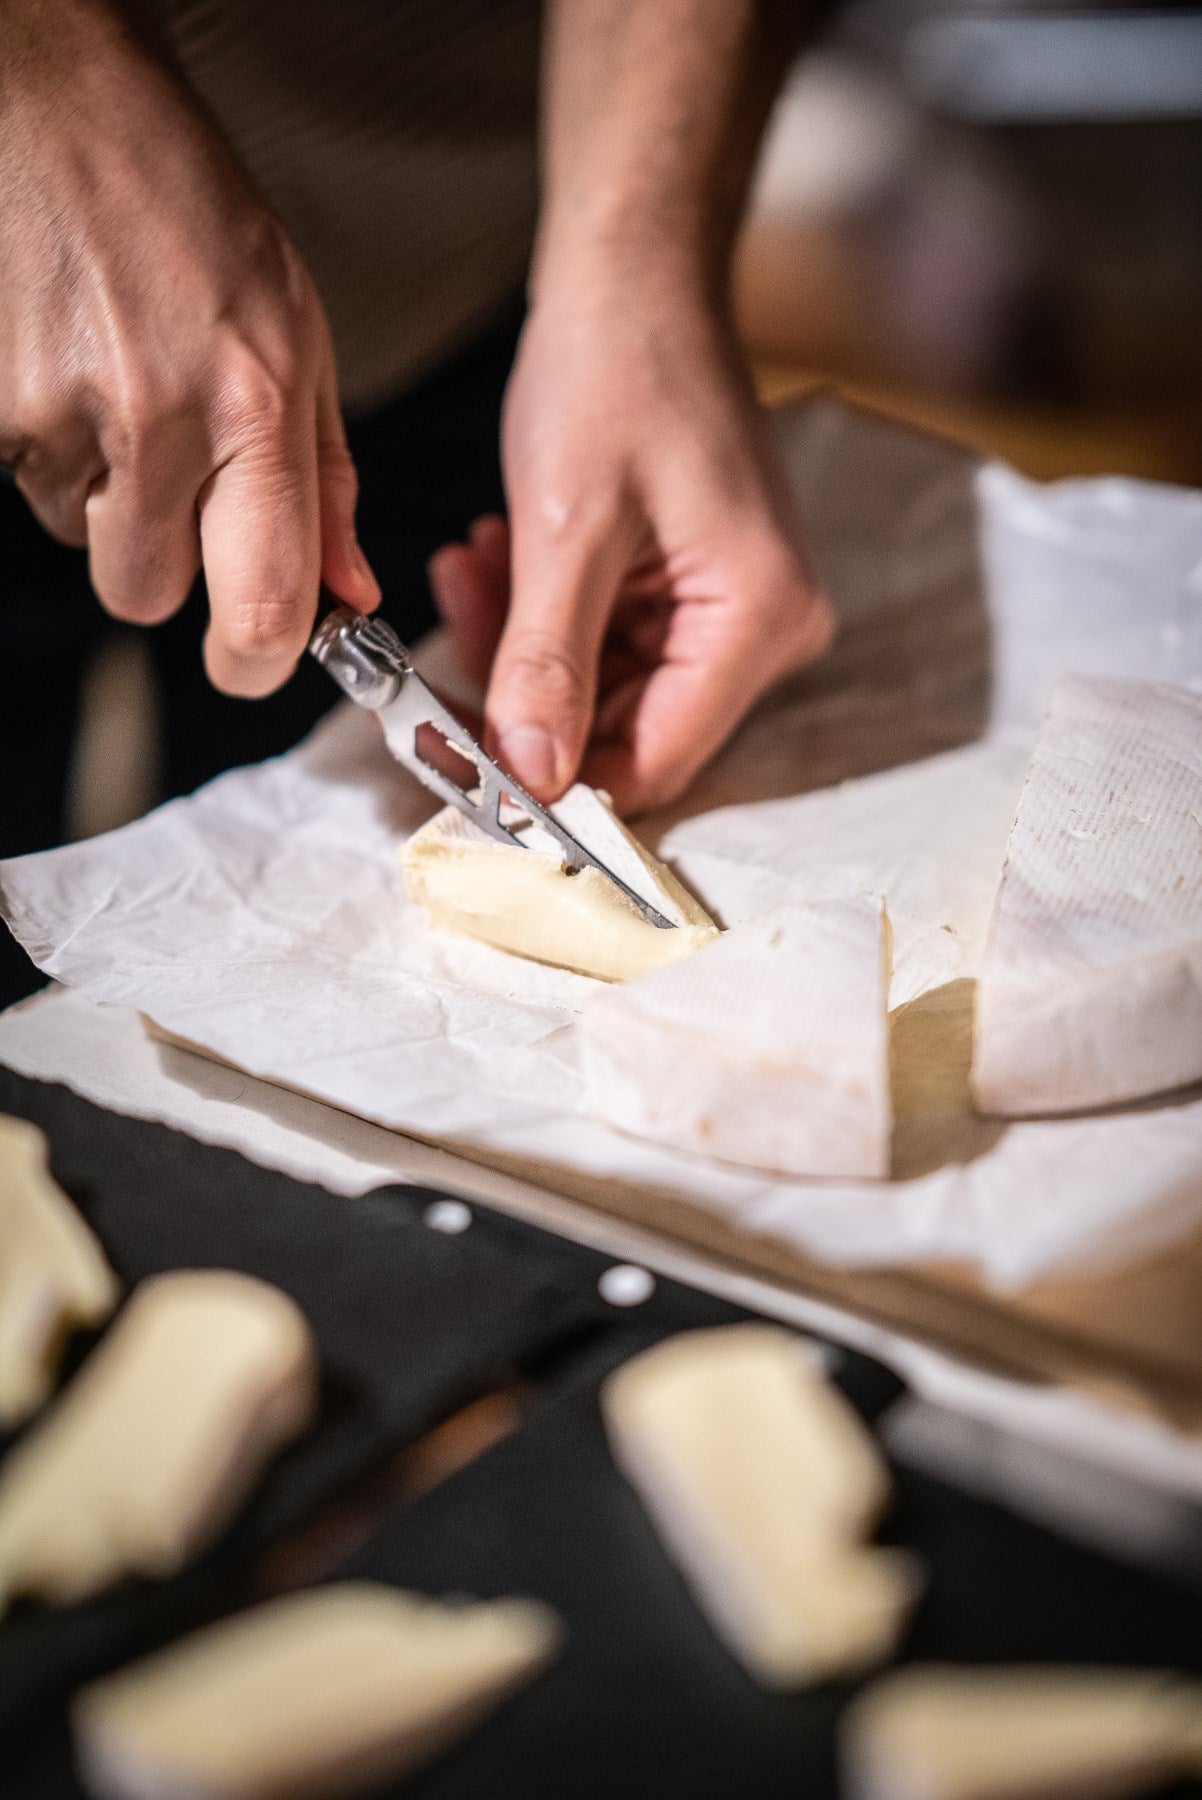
(934, 1732)
(1091, 987)
(319, 1693)
(53, 1273)
(769, 1048)
(764, 1485)
(157, 1440)
(527, 902)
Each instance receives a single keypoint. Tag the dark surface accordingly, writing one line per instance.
(644, 1701)
(409, 1325)
(428, 463)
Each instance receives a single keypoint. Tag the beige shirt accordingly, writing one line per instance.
(396, 139)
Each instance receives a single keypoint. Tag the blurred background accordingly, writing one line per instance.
(986, 219)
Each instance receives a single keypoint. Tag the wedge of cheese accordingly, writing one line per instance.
(527, 902)
(764, 1486)
(161, 1435)
(769, 1048)
(933, 1732)
(53, 1273)
(1091, 987)
(319, 1693)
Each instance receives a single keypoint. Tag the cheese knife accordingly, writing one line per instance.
(369, 662)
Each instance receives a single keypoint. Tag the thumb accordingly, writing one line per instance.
(344, 568)
(544, 682)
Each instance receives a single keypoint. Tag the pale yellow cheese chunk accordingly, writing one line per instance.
(769, 1048)
(315, 1694)
(764, 1486)
(158, 1439)
(936, 1732)
(526, 901)
(53, 1273)
(1091, 987)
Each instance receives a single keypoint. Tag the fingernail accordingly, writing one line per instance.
(528, 752)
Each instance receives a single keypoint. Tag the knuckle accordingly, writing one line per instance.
(266, 632)
(130, 414)
(37, 401)
(543, 666)
(339, 478)
(259, 400)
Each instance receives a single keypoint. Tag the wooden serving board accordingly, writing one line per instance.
(1131, 1335)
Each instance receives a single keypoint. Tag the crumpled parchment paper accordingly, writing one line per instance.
(263, 919)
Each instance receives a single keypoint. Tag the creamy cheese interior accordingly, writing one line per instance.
(527, 902)
(206, 1374)
(1020, 1732)
(53, 1273)
(323, 1692)
(764, 1485)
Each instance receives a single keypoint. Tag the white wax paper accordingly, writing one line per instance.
(264, 918)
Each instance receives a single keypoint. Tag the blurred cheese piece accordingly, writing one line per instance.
(526, 901)
(1091, 988)
(53, 1273)
(769, 1048)
(318, 1693)
(934, 1732)
(763, 1484)
(157, 1440)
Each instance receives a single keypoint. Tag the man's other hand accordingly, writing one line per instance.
(653, 583)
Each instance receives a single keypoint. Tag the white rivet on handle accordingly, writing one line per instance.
(626, 1285)
(448, 1216)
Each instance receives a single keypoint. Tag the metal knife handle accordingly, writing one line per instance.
(369, 662)
(364, 655)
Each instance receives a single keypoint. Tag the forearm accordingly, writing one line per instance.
(45, 44)
(652, 117)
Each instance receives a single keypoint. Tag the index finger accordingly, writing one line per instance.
(260, 535)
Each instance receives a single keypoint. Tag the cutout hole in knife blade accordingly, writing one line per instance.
(437, 751)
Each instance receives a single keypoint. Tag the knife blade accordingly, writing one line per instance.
(371, 665)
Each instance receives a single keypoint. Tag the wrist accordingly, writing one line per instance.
(607, 269)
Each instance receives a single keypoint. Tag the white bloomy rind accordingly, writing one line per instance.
(764, 1486)
(1091, 988)
(319, 1693)
(769, 1048)
(525, 901)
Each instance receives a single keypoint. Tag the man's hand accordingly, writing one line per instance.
(659, 585)
(167, 385)
(658, 581)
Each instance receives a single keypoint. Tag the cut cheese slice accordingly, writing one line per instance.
(1091, 987)
(148, 1453)
(769, 1048)
(53, 1273)
(525, 900)
(319, 1693)
(932, 1732)
(764, 1485)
